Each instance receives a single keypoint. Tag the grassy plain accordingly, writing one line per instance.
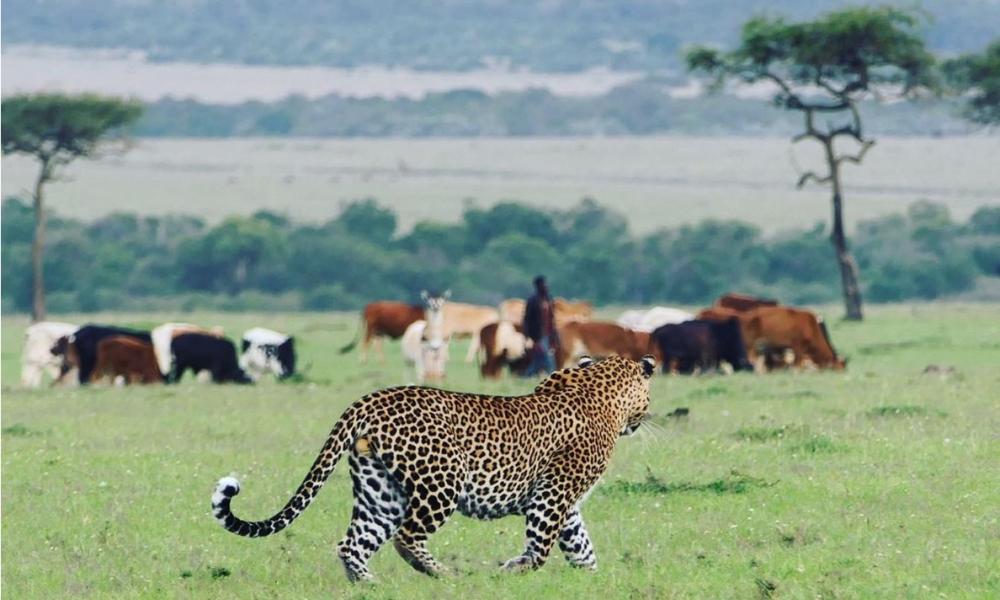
(654, 181)
(880, 482)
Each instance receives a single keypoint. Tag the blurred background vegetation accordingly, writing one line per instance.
(449, 35)
(265, 262)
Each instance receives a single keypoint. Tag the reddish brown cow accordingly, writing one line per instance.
(599, 338)
(793, 328)
(760, 352)
(127, 357)
(384, 318)
(743, 302)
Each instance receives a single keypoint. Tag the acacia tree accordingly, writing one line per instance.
(57, 129)
(978, 76)
(826, 67)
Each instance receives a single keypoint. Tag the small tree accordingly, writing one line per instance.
(56, 130)
(978, 75)
(826, 67)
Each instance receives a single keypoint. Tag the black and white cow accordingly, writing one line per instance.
(266, 351)
(85, 341)
(205, 352)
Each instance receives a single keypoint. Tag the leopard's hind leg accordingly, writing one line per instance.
(379, 506)
(433, 497)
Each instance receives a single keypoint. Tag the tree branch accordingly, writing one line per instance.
(813, 176)
(856, 158)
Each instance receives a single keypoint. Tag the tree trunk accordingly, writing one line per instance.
(38, 249)
(848, 268)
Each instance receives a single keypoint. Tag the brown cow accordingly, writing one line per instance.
(743, 302)
(599, 338)
(384, 318)
(512, 310)
(780, 327)
(467, 320)
(128, 357)
(502, 344)
(763, 354)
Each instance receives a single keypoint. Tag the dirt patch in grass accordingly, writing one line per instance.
(733, 483)
(904, 410)
(19, 430)
(814, 444)
(767, 434)
(886, 347)
(708, 392)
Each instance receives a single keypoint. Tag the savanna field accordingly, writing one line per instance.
(878, 482)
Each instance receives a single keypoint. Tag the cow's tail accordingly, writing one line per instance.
(339, 441)
(357, 336)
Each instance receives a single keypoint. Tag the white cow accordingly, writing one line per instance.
(649, 320)
(267, 351)
(38, 358)
(424, 343)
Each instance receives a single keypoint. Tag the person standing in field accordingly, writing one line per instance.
(540, 327)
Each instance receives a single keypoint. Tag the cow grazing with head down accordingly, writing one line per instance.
(267, 351)
(38, 358)
(86, 338)
(424, 343)
(203, 352)
(128, 358)
(502, 344)
(164, 334)
(383, 318)
(599, 339)
(802, 331)
(702, 345)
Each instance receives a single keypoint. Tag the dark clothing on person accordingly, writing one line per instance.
(540, 327)
(538, 317)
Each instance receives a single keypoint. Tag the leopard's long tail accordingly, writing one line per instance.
(339, 441)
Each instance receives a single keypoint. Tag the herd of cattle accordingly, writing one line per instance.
(92, 353)
(737, 332)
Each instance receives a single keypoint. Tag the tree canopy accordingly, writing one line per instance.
(841, 54)
(268, 262)
(59, 128)
(978, 76)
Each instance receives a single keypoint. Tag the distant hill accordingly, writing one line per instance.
(546, 35)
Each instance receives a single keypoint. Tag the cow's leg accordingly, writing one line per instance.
(365, 345)
(473, 348)
(379, 350)
(31, 375)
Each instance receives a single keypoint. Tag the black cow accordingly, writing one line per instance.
(203, 352)
(85, 342)
(702, 344)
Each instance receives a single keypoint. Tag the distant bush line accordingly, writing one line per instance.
(266, 262)
(639, 108)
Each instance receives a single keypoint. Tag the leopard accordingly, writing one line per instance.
(419, 454)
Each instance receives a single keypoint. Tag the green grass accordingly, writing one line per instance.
(882, 483)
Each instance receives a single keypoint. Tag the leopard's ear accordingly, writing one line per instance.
(584, 362)
(648, 365)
